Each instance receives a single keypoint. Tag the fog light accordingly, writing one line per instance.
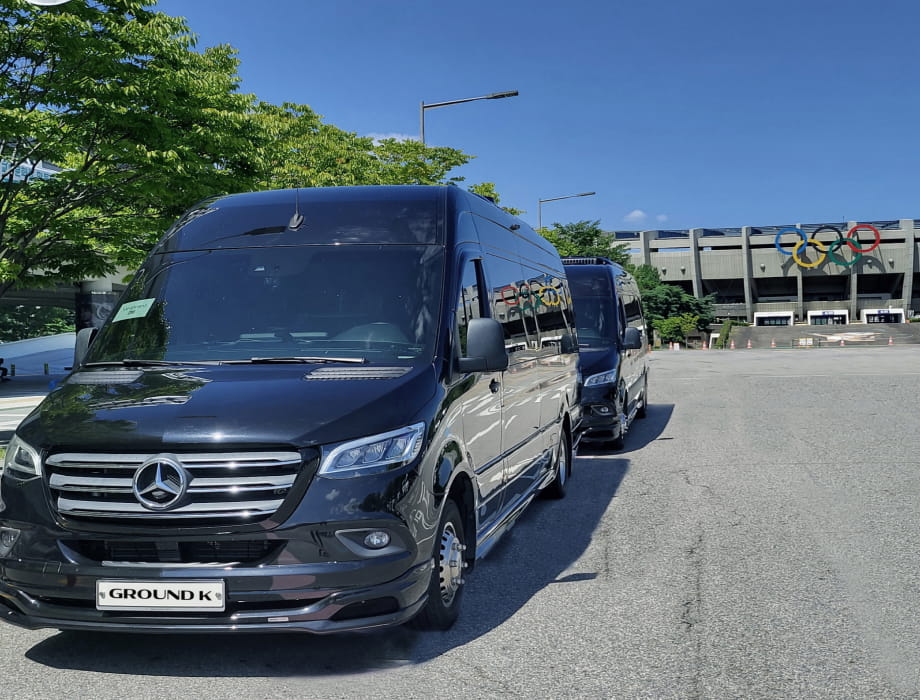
(8, 537)
(378, 539)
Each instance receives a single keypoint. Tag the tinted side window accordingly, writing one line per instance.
(633, 309)
(551, 309)
(508, 304)
(469, 302)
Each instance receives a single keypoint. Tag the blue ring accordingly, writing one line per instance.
(793, 229)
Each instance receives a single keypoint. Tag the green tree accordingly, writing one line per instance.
(487, 189)
(300, 150)
(141, 124)
(669, 301)
(585, 238)
(677, 328)
(647, 277)
(31, 321)
(414, 163)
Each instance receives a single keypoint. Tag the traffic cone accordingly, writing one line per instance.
(705, 347)
(842, 343)
(732, 346)
(670, 345)
(749, 344)
(890, 340)
(773, 342)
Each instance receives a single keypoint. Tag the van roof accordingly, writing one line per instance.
(311, 215)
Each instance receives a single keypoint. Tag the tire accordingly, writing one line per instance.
(643, 409)
(557, 487)
(619, 441)
(445, 589)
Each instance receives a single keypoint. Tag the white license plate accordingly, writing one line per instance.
(160, 595)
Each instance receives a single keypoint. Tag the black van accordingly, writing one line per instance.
(311, 410)
(613, 345)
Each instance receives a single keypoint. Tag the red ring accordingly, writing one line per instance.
(878, 238)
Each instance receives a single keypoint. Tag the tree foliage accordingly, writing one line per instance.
(667, 301)
(647, 276)
(141, 124)
(585, 238)
(487, 189)
(301, 151)
(33, 321)
(677, 328)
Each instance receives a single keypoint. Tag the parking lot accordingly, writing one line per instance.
(757, 537)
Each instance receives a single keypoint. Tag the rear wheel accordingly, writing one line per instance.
(556, 489)
(445, 588)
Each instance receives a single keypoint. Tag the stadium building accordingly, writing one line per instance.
(814, 274)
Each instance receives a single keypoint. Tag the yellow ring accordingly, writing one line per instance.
(539, 294)
(818, 244)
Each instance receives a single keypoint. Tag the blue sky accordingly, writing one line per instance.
(707, 113)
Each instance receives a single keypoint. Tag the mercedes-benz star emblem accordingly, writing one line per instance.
(160, 483)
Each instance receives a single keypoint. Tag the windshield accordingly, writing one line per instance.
(364, 302)
(595, 321)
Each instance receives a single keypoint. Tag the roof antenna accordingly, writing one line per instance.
(297, 220)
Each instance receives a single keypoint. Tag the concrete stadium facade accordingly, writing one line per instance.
(795, 274)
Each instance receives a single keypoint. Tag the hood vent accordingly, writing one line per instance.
(357, 373)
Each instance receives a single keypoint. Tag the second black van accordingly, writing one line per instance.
(613, 348)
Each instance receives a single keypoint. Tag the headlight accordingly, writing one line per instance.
(602, 378)
(374, 454)
(21, 459)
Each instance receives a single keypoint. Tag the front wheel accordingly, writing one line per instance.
(622, 405)
(643, 409)
(445, 588)
(557, 486)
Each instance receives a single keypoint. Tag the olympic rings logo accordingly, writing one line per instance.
(827, 250)
(524, 293)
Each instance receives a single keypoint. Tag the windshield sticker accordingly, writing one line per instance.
(134, 309)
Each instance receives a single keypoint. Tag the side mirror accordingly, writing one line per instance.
(632, 339)
(485, 347)
(568, 343)
(84, 338)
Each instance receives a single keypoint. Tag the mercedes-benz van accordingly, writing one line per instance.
(613, 345)
(311, 410)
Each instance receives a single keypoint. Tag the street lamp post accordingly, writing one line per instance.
(432, 105)
(553, 199)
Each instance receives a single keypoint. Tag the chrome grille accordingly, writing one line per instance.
(234, 486)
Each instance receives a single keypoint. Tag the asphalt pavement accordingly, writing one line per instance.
(755, 538)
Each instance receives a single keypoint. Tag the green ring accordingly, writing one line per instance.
(836, 244)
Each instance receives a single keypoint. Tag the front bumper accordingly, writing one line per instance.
(600, 419)
(39, 595)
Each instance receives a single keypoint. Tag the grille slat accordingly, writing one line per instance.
(235, 485)
(73, 506)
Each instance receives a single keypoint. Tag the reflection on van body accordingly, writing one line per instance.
(311, 410)
(613, 344)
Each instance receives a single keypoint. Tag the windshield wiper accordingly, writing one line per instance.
(295, 360)
(128, 362)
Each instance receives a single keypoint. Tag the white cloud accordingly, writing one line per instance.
(636, 216)
(661, 218)
(399, 137)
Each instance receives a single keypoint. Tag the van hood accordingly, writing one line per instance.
(219, 407)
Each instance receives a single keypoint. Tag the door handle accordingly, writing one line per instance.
(494, 386)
